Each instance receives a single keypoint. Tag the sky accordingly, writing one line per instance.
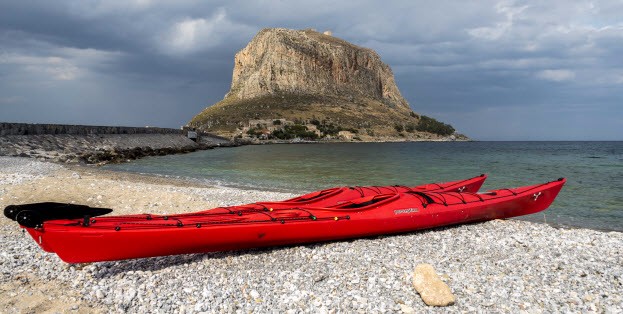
(495, 70)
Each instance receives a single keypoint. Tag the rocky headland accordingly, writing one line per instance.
(97, 144)
(304, 84)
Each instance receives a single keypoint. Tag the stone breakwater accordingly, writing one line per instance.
(500, 266)
(97, 144)
(41, 128)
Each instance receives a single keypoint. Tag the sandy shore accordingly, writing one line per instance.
(498, 266)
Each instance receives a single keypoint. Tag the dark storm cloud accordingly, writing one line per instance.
(494, 69)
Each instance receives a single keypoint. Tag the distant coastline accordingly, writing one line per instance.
(303, 142)
(99, 145)
(247, 141)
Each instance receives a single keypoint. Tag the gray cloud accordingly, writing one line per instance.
(494, 69)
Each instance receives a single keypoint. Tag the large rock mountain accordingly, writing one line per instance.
(309, 76)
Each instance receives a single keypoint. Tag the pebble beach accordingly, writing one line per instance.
(499, 266)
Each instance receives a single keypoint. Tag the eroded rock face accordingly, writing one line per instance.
(308, 62)
(304, 75)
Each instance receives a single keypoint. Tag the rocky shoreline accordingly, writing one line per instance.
(100, 144)
(247, 141)
(497, 266)
(97, 144)
(114, 148)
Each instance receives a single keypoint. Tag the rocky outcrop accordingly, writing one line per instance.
(306, 75)
(307, 62)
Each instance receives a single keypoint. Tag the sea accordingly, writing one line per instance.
(592, 197)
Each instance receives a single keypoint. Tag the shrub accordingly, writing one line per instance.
(292, 131)
(254, 132)
(329, 129)
(399, 128)
(282, 134)
(428, 124)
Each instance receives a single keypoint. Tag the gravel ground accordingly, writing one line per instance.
(497, 266)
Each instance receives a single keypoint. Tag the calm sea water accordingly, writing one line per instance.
(592, 198)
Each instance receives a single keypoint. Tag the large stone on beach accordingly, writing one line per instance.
(433, 291)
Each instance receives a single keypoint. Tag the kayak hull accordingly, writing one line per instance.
(117, 238)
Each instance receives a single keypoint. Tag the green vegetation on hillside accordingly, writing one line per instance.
(297, 130)
(428, 124)
(425, 124)
(294, 131)
(328, 128)
(351, 115)
(329, 115)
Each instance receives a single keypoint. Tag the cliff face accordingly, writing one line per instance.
(307, 62)
(309, 76)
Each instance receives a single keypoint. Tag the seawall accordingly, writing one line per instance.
(40, 129)
(98, 144)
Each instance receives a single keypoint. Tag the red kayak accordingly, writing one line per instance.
(33, 215)
(138, 236)
(37, 213)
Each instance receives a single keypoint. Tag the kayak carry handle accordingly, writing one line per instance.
(11, 212)
(34, 214)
